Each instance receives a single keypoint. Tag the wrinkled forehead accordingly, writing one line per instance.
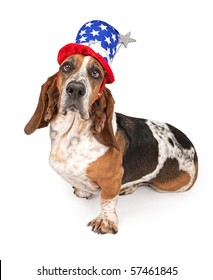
(83, 62)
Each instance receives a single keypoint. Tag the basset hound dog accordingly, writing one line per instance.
(95, 149)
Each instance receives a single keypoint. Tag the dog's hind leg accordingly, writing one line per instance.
(128, 190)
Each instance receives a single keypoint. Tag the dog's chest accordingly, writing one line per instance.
(73, 148)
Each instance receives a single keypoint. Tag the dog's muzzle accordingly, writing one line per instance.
(75, 99)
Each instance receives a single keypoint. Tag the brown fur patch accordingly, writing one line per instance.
(170, 178)
(173, 185)
(196, 174)
(95, 84)
(47, 106)
(108, 171)
(102, 112)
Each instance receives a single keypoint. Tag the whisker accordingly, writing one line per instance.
(56, 103)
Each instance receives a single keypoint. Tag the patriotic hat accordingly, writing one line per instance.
(100, 40)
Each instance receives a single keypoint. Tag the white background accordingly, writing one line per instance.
(166, 76)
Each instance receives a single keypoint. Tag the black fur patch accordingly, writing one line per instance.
(181, 137)
(141, 154)
(171, 142)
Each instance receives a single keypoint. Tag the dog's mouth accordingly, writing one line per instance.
(73, 108)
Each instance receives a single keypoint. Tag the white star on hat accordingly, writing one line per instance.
(95, 33)
(83, 38)
(107, 39)
(103, 27)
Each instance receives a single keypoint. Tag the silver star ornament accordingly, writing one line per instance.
(125, 39)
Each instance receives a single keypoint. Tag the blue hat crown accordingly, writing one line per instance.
(100, 40)
(101, 37)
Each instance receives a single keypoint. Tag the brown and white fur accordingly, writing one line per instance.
(95, 149)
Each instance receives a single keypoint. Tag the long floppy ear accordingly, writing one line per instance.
(103, 110)
(47, 106)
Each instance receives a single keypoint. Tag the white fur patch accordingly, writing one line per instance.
(74, 148)
(185, 157)
(108, 214)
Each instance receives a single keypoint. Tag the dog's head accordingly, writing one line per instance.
(79, 81)
(77, 87)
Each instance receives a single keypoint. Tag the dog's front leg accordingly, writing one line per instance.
(107, 221)
(107, 172)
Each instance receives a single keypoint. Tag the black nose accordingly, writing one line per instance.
(75, 90)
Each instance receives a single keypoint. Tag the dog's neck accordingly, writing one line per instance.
(71, 129)
(69, 125)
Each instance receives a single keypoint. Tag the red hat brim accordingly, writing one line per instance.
(73, 48)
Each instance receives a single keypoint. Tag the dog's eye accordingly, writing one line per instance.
(67, 67)
(95, 73)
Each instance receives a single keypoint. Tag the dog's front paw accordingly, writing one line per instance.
(82, 194)
(103, 224)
